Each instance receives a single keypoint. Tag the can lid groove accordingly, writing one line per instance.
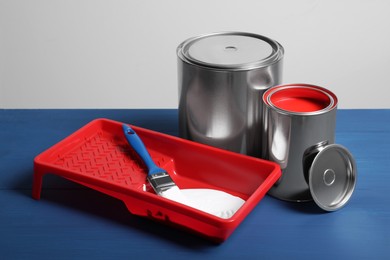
(231, 50)
(332, 177)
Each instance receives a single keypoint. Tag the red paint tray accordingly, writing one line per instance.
(98, 156)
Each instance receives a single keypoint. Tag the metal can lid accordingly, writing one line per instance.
(332, 177)
(231, 50)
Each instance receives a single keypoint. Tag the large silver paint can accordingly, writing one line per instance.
(222, 77)
(299, 134)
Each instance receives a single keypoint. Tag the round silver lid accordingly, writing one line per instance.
(231, 50)
(332, 177)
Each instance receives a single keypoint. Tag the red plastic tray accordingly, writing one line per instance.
(98, 156)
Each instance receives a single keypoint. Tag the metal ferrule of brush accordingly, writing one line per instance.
(160, 181)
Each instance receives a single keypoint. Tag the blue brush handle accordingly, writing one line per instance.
(140, 149)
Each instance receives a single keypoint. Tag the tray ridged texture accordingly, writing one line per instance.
(107, 157)
(98, 156)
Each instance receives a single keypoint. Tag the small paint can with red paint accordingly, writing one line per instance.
(299, 124)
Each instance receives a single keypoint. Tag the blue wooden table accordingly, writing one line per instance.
(73, 222)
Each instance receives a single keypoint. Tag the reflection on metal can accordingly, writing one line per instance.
(299, 134)
(222, 77)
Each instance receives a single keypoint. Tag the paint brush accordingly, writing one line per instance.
(158, 178)
(215, 202)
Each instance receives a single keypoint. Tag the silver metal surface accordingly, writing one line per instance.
(231, 50)
(222, 77)
(309, 155)
(332, 177)
(160, 182)
(286, 138)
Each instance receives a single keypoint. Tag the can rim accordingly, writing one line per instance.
(332, 98)
(275, 56)
(351, 173)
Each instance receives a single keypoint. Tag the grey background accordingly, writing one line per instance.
(122, 54)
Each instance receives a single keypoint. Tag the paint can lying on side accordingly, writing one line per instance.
(222, 77)
(299, 134)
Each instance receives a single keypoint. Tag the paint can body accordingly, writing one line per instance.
(222, 77)
(297, 119)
